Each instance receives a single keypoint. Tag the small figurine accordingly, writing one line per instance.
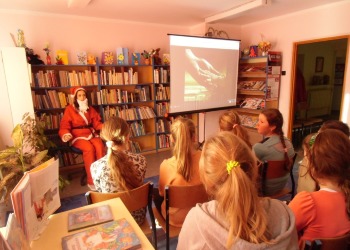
(20, 39)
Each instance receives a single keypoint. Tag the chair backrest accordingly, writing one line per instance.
(134, 199)
(338, 243)
(277, 169)
(182, 197)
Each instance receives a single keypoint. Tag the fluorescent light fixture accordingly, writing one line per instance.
(245, 6)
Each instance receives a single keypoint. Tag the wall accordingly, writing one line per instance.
(95, 35)
(326, 21)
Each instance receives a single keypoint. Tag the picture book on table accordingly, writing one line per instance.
(115, 235)
(89, 217)
(36, 197)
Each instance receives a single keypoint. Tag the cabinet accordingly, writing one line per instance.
(258, 88)
(137, 93)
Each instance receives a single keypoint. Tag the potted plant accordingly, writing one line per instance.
(30, 148)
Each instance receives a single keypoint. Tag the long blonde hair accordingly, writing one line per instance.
(230, 121)
(116, 130)
(183, 132)
(234, 190)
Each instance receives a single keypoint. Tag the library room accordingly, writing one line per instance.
(144, 125)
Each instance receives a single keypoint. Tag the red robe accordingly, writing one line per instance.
(85, 138)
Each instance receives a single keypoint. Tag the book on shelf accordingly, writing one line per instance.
(82, 58)
(117, 234)
(135, 58)
(126, 55)
(120, 56)
(107, 57)
(36, 197)
(62, 55)
(14, 235)
(89, 217)
(252, 103)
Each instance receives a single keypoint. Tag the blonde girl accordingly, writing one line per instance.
(182, 167)
(120, 169)
(230, 121)
(236, 218)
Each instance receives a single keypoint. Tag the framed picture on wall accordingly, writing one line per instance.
(319, 64)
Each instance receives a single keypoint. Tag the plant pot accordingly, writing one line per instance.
(147, 61)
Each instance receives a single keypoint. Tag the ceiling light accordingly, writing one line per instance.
(245, 6)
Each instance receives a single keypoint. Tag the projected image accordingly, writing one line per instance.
(201, 76)
(203, 73)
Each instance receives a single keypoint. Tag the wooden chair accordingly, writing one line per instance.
(179, 197)
(276, 169)
(336, 243)
(133, 200)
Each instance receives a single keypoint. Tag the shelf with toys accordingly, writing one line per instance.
(258, 88)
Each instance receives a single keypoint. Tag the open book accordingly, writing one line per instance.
(36, 197)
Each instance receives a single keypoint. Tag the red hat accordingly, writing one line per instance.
(74, 90)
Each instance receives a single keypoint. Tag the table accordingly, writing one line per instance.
(58, 226)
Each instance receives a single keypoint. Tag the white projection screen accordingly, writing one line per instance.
(203, 72)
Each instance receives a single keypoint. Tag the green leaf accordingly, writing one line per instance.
(17, 136)
(39, 157)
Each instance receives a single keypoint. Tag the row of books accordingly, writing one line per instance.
(252, 85)
(67, 158)
(114, 96)
(251, 68)
(163, 126)
(134, 147)
(52, 121)
(163, 141)
(162, 108)
(63, 78)
(137, 129)
(111, 77)
(161, 75)
(57, 99)
(162, 93)
(129, 114)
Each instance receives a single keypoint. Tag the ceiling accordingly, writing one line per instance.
(185, 13)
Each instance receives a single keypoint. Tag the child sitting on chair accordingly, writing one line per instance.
(79, 125)
(120, 169)
(325, 213)
(182, 168)
(236, 218)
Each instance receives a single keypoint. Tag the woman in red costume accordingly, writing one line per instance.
(79, 125)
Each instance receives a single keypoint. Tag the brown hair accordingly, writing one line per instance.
(275, 118)
(335, 124)
(329, 158)
(230, 121)
(183, 132)
(75, 99)
(117, 130)
(234, 190)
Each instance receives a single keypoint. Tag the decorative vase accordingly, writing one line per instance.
(48, 60)
(147, 61)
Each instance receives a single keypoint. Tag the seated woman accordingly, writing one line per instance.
(182, 168)
(305, 181)
(325, 213)
(79, 124)
(274, 147)
(236, 218)
(230, 121)
(120, 169)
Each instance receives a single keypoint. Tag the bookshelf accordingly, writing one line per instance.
(258, 88)
(140, 94)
